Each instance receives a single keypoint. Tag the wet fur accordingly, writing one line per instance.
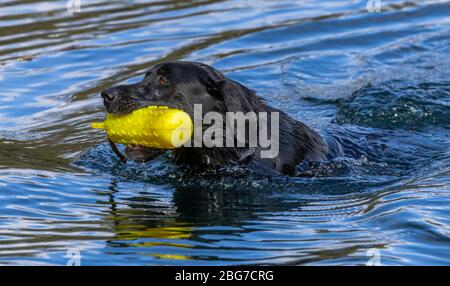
(190, 83)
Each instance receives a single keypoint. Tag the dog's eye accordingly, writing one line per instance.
(163, 81)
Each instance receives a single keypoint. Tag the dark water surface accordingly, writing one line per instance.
(378, 81)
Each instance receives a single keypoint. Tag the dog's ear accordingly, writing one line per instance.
(235, 96)
(213, 80)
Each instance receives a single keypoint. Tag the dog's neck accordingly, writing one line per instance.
(213, 157)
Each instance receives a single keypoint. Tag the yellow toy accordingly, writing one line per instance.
(152, 126)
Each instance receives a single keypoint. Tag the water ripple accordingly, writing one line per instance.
(376, 82)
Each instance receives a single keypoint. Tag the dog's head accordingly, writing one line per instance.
(180, 85)
(177, 85)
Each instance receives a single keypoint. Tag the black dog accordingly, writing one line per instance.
(183, 84)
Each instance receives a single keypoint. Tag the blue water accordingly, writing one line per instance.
(379, 82)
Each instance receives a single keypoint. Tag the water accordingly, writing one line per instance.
(377, 81)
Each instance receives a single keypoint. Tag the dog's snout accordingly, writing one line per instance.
(120, 99)
(111, 99)
(108, 95)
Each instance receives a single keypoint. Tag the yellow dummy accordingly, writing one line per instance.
(152, 126)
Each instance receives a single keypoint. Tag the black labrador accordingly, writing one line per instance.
(183, 84)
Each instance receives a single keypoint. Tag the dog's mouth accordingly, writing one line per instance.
(141, 154)
(137, 153)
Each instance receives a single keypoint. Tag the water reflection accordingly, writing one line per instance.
(376, 81)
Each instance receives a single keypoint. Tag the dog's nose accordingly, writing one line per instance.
(108, 95)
